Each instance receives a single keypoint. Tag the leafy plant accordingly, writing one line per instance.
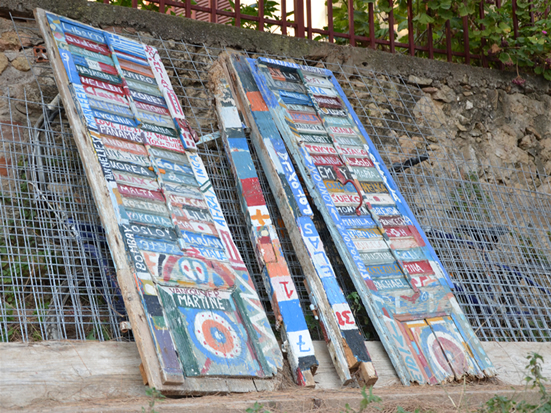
(270, 12)
(534, 380)
(492, 35)
(154, 396)
(365, 402)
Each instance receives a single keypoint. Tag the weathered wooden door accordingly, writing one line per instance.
(199, 314)
(397, 273)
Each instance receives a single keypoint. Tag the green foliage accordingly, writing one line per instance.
(142, 4)
(367, 399)
(257, 408)
(491, 35)
(534, 380)
(154, 396)
(271, 11)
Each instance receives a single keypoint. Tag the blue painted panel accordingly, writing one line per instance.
(82, 31)
(244, 165)
(115, 118)
(147, 244)
(200, 240)
(111, 108)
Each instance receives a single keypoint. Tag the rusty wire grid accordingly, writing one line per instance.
(489, 225)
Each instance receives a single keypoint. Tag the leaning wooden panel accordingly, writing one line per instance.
(397, 273)
(193, 307)
(343, 338)
(277, 276)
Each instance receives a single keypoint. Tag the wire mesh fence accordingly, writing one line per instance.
(489, 225)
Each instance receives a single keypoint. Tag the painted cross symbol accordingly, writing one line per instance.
(300, 344)
(259, 217)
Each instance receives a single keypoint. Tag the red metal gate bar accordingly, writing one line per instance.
(390, 25)
(351, 22)
(309, 17)
(371, 26)
(482, 41)
(448, 41)
(299, 18)
(330, 25)
(261, 15)
(466, 39)
(411, 33)
(515, 20)
(237, 12)
(284, 17)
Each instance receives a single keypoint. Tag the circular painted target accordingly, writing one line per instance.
(217, 335)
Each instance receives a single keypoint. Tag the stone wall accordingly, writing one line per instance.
(489, 119)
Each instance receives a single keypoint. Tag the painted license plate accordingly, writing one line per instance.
(323, 91)
(304, 117)
(315, 139)
(126, 190)
(326, 160)
(124, 145)
(145, 206)
(144, 97)
(106, 96)
(96, 74)
(159, 120)
(152, 108)
(328, 102)
(321, 149)
(135, 180)
(144, 88)
(150, 219)
(138, 77)
(148, 127)
(131, 168)
(125, 156)
(317, 81)
(309, 128)
(120, 131)
(78, 51)
(374, 187)
(87, 81)
(110, 117)
(164, 142)
(87, 44)
(110, 107)
(367, 174)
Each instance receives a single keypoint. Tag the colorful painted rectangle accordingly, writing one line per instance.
(126, 190)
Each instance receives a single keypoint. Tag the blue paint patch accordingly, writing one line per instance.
(148, 244)
(111, 108)
(81, 31)
(244, 165)
(78, 94)
(173, 166)
(239, 144)
(69, 65)
(293, 98)
(115, 118)
(414, 254)
(200, 240)
(356, 222)
(292, 314)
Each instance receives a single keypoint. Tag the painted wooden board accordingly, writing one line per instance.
(277, 276)
(389, 278)
(183, 325)
(342, 335)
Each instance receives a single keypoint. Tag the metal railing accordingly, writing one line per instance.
(300, 25)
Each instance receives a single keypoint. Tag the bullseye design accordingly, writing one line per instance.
(217, 335)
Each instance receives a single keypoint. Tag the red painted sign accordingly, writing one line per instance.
(354, 151)
(105, 95)
(320, 149)
(326, 160)
(87, 81)
(141, 193)
(419, 267)
(328, 102)
(87, 44)
(152, 108)
(164, 142)
(360, 162)
(398, 232)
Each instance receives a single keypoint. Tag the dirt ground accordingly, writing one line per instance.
(449, 398)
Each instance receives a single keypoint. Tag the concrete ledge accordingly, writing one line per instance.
(68, 372)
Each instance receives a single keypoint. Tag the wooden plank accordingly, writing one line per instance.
(331, 306)
(139, 252)
(383, 277)
(277, 276)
